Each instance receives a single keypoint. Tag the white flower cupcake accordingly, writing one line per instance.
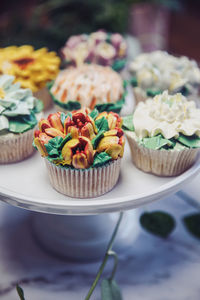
(90, 86)
(19, 111)
(164, 134)
(154, 72)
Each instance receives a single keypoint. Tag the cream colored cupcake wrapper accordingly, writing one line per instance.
(45, 97)
(16, 147)
(139, 95)
(161, 162)
(87, 183)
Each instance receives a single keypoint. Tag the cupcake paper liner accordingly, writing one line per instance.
(161, 162)
(139, 95)
(16, 147)
(45, 97)
(87, 183)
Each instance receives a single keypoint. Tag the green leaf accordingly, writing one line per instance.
(102, 124)
(110, 290)
(185, 91)
(39, 107)
(156, 142)
(133, 81)
(50, 84)
(189, 141)
(128, 123)
(152, 93)
(18, 125)
(20, 292)
(94, 113)
(30, 119)
(158, 223)
(101, 159)
(55, 145)
(115, 107)
(119, 64)
(192, 223)
(97, 139)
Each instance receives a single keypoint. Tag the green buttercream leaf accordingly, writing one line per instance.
(4, 123)
(185, 91)
(30, 119)
(97, 139)
(119, 64)
(94, 113)
(55, 145)
(110, 290)
(39, 107)
(100, 159)
(178, 146)
(156, 142)
(17, 125)
(133, 81)
(192, 223)
(115, 107)
(50, 84)
(70, 105)
(128, 123)
(189, 141)
(102, 124)
(158, 223)
(152, 93)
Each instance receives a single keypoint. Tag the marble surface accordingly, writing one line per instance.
(151, 269)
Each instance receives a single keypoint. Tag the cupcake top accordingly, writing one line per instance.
(98, 47)
(89, 85)
(80, 139)
(18, 107)
(168, 119)
(158, 71)
(32, 68)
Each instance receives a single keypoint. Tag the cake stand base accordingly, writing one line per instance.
(84, 238)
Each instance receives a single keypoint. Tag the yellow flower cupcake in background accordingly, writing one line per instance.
(32, 68)
(154, 72)
(19, 114)
(89, 86)
(164, 134)
(82, 151)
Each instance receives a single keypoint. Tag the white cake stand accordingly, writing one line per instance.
(80, 228)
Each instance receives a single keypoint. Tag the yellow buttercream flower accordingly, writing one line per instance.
(32, 68)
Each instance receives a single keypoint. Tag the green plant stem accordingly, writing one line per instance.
(106, 256)
(114, 255)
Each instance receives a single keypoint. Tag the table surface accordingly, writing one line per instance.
(152, 269)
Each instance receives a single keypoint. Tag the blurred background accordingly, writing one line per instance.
(173, 25)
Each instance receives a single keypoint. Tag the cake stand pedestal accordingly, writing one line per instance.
(80, 229)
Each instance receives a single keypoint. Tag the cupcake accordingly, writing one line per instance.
(164, 134)
(88, 86)
(19, 114)
(154, 72)
(32, 68)
(98, 47)
(82, 151)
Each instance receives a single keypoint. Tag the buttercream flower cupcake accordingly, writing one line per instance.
(164, 134)
(88, 86)
(154, 72)
(32, 68)
(82, 151)
(19, 114)
(100, 47)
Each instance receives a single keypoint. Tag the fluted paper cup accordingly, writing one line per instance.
(161, 162)
(87, 183)
(139, 95)
(16, 147)
(45, 97)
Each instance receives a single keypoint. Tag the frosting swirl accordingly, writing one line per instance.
(168, 115)
(160, 71)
